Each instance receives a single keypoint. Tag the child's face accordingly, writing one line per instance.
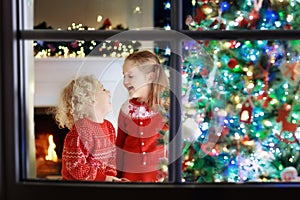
(102, 97)
(136, 81)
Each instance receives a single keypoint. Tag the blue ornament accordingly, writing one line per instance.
(224, 6)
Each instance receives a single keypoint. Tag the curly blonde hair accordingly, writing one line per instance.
(76, 101)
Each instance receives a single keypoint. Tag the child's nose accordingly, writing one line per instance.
(125, 81)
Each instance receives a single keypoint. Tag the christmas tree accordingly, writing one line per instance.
(244, 101)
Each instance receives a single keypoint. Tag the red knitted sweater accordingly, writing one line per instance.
(89, 151)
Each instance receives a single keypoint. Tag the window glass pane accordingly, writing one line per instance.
(240, 111)
(56, 63)
(241, 15)
(100, 14)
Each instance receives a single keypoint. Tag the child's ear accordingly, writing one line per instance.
(150, 77)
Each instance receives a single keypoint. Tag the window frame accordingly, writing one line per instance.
(13, 121)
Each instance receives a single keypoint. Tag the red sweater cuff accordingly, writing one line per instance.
(100, 177)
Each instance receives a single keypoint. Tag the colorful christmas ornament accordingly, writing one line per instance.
(246, 111)
(232, 63)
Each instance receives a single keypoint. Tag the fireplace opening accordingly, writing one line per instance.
(49, 141)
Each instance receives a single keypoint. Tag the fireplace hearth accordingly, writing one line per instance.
(49, 141)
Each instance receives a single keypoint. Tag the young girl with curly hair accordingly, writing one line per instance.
(89, 152)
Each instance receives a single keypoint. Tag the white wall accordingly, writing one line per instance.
(61, 14)
(52, 74)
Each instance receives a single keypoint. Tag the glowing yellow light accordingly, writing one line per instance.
(51, 150)
(99, 18)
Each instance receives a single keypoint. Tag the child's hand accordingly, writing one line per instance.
(112, 179)
(125, 180)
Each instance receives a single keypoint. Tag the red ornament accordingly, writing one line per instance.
(267, 101)
(246, 112)
(232, 63)
(253, 16)
(199, 15)
(225, 131)
(222, 26)
(286, 125)
(107, 22)
(206, 43)
(243, 23)
(234, 44)
(215, 22)
(287, 26)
